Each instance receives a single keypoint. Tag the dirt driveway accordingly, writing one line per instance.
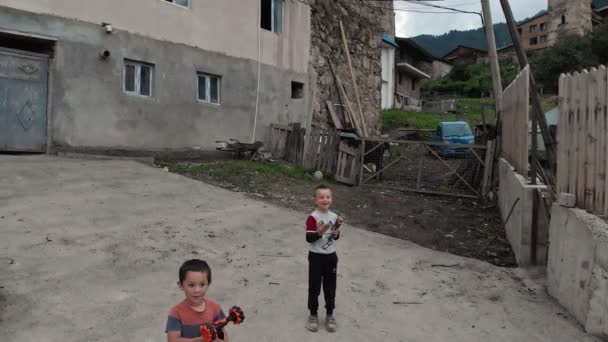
(89, 252)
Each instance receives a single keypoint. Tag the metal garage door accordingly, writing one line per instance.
(23, 101)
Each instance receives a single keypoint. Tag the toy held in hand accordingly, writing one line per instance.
(212, 331)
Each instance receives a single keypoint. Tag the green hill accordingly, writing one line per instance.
(441, 45)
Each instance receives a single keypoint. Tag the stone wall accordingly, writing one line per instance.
(364, 22)
(577, 15)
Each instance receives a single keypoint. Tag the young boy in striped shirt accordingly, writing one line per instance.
(322, 231)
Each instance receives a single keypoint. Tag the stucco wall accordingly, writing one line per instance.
(90, 109)
(514, 192)
(577, 272)
(229, 27)
(440, 69)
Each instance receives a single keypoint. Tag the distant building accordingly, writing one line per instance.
(561, 17)
(507, 53)
(466, 55)
(415, 64)
(534, 32)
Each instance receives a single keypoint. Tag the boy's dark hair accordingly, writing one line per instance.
(194, 265)
(321, 187)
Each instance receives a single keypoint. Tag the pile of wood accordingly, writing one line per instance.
(353, 117)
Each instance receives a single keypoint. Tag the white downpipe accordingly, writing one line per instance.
(257, 93)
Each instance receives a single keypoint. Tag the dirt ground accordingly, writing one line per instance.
(89, 251)
(448, 224)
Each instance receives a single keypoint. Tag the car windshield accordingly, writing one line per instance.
(456, 130)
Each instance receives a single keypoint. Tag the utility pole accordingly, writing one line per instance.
(537, 110)
(493, 55)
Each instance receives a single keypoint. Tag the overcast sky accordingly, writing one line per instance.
(411, 24)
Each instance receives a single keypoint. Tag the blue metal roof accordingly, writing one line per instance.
(387, 39)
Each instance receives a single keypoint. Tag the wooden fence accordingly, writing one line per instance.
(287, 142)
(515, 122)
(322, 149)
(582, 141)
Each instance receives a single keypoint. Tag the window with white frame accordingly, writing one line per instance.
(272, 15)
(209, 88)
(183, 3)
(138, 78)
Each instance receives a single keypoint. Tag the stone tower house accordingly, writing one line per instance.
(569, 17)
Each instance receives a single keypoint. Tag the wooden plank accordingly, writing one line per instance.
(349, 108)
(487, 170)
(334, 116)
(561, 141)
(572, 117)
(281, 127)
(344, 114)
(600, 134)
(604, 143)
(591, 137)
(582, 138)
(354, 81)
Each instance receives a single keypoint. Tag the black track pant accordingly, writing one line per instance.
(322, 270)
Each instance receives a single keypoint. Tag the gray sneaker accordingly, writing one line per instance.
(313, 323)
(330, 323)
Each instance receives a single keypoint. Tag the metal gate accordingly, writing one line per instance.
(23, 101)
(425, 167)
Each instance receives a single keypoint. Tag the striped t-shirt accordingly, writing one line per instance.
(188, 322)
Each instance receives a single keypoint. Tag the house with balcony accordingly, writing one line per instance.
(414, 64)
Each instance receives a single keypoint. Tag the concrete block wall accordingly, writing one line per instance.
(513, 186)
(577, 271)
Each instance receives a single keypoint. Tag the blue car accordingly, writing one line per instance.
(453, 132)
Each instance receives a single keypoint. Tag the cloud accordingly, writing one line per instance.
(409, 24)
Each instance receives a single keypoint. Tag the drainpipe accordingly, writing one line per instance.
(257, 93)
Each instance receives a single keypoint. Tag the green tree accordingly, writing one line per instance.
(570, 53)
(599, 43)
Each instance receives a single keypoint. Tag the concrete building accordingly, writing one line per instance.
(414, 65)
(150, 74)
(534, 32)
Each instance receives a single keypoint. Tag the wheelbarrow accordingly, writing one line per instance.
(239, 150)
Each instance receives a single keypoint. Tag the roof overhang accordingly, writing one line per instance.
(412, 70)
(388, 40)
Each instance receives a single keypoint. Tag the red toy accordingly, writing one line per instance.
(212, 331)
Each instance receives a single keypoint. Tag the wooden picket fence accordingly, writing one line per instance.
(287, 142)
(582, 138)
(515, 118)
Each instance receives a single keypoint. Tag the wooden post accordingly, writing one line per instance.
(361, 167)
(537, 107)
(493, 56)
(352, 76)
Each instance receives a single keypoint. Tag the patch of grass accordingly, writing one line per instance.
(469, 110)
(395, 118)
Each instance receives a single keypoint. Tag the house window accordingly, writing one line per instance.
(543, 39)
(534, 41)
(138, 78)
(563, 20)
(543, 27)
(414, 85)
(297, 90)
(183, 3)
(272, 15)
(532, 28)
(209, 88)
(519, 31)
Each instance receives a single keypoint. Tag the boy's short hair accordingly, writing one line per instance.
(194, 265)
(321, 187)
